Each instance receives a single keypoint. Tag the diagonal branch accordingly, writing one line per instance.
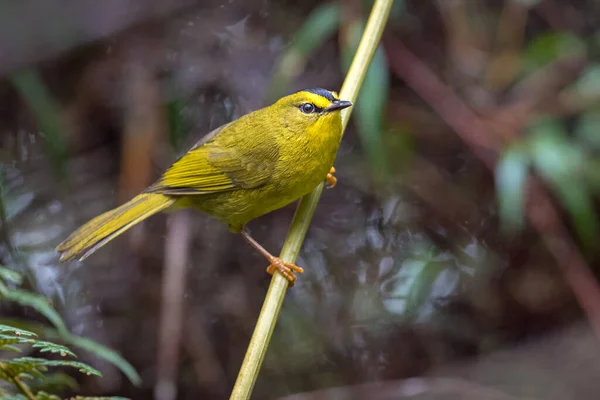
(293, 242)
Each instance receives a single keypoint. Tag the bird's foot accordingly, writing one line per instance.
(276, 264)
(284, 268)
(331, 180)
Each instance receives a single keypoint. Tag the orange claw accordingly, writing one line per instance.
(285, 269)
(277, 264)
(331, 180)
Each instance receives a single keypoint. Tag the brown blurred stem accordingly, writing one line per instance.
(173, 289)
(144, 126)
(476, 133)
(511, 32)
(465, 40)
(293, 242)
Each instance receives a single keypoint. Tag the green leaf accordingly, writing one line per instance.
(39, 303)
(44, 107)
(588, 83)
(587, 129)
(593, 174)
(511, 178)
(107, 354)
(371, 101)
(561, 163)
(46, 396)
(318, 27)
(529, 3)
(422, 285)
(548, 47)
(8, 275)
(179, 126)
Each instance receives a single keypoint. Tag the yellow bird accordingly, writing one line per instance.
(247, 168)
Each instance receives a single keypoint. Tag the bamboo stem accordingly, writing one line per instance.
(301, 221)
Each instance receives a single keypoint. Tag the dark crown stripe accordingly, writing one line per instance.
(320, 92)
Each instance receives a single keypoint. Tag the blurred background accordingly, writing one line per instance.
(456, 258)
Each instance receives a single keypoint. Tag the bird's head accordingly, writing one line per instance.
(312, 109)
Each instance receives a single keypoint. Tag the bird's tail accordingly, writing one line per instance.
(104, 228)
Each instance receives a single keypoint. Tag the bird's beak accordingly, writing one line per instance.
(338, 105)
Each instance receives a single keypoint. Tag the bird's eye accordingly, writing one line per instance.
(307, 108)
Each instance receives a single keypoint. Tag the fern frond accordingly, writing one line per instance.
(43, 346)
(45, 396)
(35, 366)
(89, 345)
(54, 382)
(14, 371)
(15, 331)
(7, 341)
(11, 348)
(6, 396)
(97, 398)
(49, 347)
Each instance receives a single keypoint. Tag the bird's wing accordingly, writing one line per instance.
(225, 159)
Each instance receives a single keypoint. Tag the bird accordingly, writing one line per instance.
(251, 166)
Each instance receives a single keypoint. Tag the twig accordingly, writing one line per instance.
(448, 105)
(475, 133)
(504, 63)
(210, 375)
(466, 42)
(144, 128)
(176, 259)
(276, 293)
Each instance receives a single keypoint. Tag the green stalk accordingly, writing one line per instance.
(23, 388)
(293, 242)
